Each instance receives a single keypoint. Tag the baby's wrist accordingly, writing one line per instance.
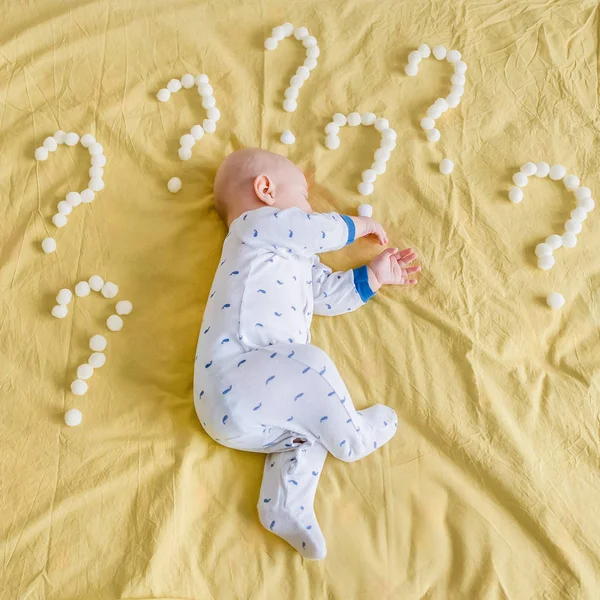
(373, 281)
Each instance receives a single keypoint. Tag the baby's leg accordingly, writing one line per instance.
(287, 495)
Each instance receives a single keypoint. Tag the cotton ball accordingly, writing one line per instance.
(187, 140)
(208, 101)
(453, 56)
(458, 79)
(354, 119)
(96, 149)
(427, 123)
(555, 301)
(310, 62)
(365, 210)
(48, 245)
(557, 172)
(290, 105)
(578, 214)
(185, 153)
(296, 81)
(82, 289)
(411, 69)
(64, 208)
(287, 137)
(87, 195)
(79, 387)
(187, 81)
(433, 135)
(569, 240)
(332, 128)
(542, 169)
(339, 119)
(197, 132)
(64, 296)
(73, 417)
(573, 226)
(415, 58)
(87, 140)
(96, 282)
(288, 29)
(60, 311)
(124, 307)
(369, 176)
(59, 136)
(309, 41)
(543, 249)
(368, 118)
(174, 185)
(300, 33)
(529, 169)
(546, 262)
(50, 144)
(114, 323)
(97, 360)
(205, 89)
(59, 220)
(71, 138)
(163, 95)
(95, 172)
(571, 182)
(453, 100)
(200, 79)
(41, 153)
(441, 104)
(381, 125)
(424, 50)
(459, 90)
(98, 343)
(73, 198)
(278, 33)
(387, 144)
(96, 184)
(460, 67)
(332, 142)
(292, 93)
(446, 166)
(85, 371)
(586, 204)
(554, 241)
(381, 155)
(439, 52)
(520, 179)
(434, 112)
(389, 134)
(515, 195)
(213, 113)
(110, 290)
(98, 161)
(270, 43)
(313, 52)
(209, 125)
(365, 188)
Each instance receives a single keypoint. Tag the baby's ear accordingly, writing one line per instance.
(264, 189)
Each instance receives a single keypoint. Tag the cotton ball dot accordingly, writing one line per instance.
(542, 169)
(309, 41)
(163, 95)
(381, 125)
(554, 241)
(439, 52)
(95, 172)
(71, 138)
(555, 301)
(200, 79)
(64, 208)
(571, 182)
(85, 371)
(60, 311)
(213, 113)
(87, 195)
(434, 112)
(453, 100)
(586, 204)
(73, 198)
(64, 296)
(110, 290)
(529, 169)
(365, 210)
(59, 220)
(583, 192)
(411, 69)
(59, 136)
(209, 125)
(578, 214)
(185, 153)
(543, 249)
(87, 140)
(546, 262)
(174, 185)
(73, 417)
(187, 81)
(573, 226)
(424, 50)
(332, 142)
(311, 61)
(287, 137)
(441, 104)
(415, 58)
(208, 101)
(50, 144)
(82, 289)
(427, 123)
(96, 184)
(446, 166)
(79, 387)
(458, 79)
(433, 135)
(97, 360)
(197, 132)
(114, 323)
(368, 118)
(569, 240)
(288, 29)
(41, 153)
(98, 343)
(205, 90)
(453, 56)
(378, 167)
(270, 43)
(300, 33)
(557, 172)
(339, 119)
(313, 52)
(332, 128)
(515, 195)
(187, 140)
(520, 179)
(369, 176)
(99, 160)
(354, 119)
(48, 245)
(124, 307)
(365, 188)
(278, 33)
(96, 282)
(460, 67)
(290, 105)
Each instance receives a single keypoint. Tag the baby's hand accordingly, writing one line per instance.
(368, 226)
(391, 267)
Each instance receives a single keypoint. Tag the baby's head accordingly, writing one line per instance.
(252, 178)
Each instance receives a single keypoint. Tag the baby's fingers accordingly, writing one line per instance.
(411, 269)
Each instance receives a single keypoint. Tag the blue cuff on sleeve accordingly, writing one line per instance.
(351, 228)
(361, 281)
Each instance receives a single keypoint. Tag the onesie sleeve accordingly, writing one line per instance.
(302, 233)
(336, 293)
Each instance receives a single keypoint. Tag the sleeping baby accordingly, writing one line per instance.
(259, 384)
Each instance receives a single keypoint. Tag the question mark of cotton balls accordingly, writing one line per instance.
(98, 342)
(209, 125)
(73, 199)
(573, 226)
(441, 105)
(302, 74)
(382, 154)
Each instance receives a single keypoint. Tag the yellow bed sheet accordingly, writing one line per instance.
(490, 490)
